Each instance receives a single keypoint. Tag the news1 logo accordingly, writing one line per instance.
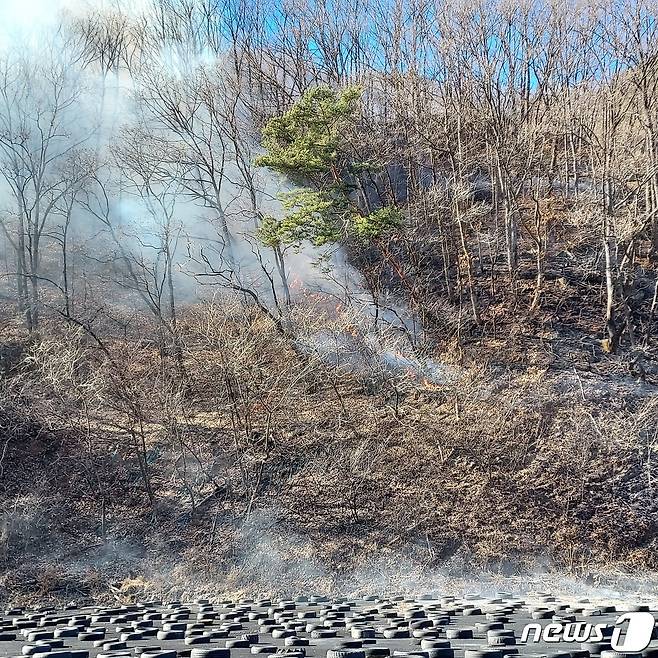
(630, 638)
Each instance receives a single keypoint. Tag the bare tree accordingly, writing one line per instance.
(39, 136)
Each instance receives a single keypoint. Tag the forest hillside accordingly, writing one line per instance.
(326, 294)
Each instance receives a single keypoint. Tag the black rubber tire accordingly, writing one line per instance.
(197, 639)
(320, 633)
(444, 652)
(434, 644)
(170, 635)
(420, 623)
(346, 653)
(262, 648)
(482, 653)
(174, 626)
(31, 649)
(595, 648)
(542, 614)
(427, 633)
(359, 633)
(282, 633)
(395, 633)
(334, 623)
(66, 632)
(215, 652)
(232, 627)
(377, 652)
(149, 649)
(459, 633)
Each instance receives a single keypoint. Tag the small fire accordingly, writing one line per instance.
(430, 385)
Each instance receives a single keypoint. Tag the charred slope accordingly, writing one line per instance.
(116, 467)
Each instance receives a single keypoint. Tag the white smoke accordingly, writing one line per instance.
(107, 105)
(23, 21)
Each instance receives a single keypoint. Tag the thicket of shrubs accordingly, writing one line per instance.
(111, 462)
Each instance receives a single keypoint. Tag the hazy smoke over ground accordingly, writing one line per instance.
(271, 561)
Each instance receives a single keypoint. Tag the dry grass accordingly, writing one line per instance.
(267, 464)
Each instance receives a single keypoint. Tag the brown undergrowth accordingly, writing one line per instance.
(113, 466)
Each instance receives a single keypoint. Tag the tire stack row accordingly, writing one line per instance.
(429, 626)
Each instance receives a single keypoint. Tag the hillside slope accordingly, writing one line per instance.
(267, 466)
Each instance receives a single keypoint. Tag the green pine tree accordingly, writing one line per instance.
(306, 144)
